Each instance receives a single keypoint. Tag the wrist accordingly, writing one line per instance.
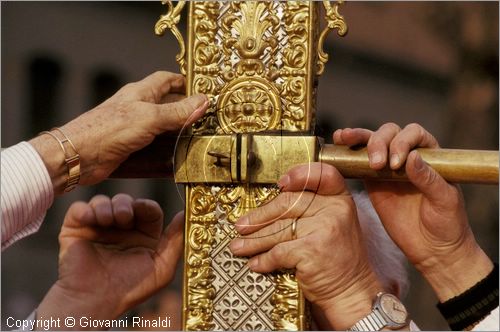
(354, 303)
(452, 278)
(53, 158)
(60, 303)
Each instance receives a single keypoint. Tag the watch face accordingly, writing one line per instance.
(393, 308)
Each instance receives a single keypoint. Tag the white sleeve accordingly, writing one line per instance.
(489, 323)
(26, 192)
(413, 326)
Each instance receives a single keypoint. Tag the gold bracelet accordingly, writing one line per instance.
(72, 161)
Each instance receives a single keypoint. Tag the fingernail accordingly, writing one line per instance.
(395, 160)
(419, 163)
(284, 181)
(376, 158)
(252, 263)
(236, 245)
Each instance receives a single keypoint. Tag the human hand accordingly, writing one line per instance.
(425, 217)
(328, 253)
(113, 255)
(128, 121)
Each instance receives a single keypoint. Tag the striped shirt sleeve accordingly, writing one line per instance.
(26, 192)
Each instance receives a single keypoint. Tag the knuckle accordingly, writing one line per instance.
(278, 252)
(129, 87)
(315, 244)
(375, 141)
(413, 126)
(390, 126)
(160, 73)
(430, 177)
(122, 196)
(418, 129)
(100, 198)
(75, 205)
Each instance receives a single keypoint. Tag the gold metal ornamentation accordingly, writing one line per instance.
(170, 21)
(288, 312)
(257, 61)
(249, 105)
(198, 276)
(334, 21)
(222, 293)
(253, 49)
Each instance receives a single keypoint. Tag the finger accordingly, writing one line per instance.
(173, 97)
(177, 86)
(378, 145)
(148, 217)
(179, 114)
(170, 248)
(123, 211)
(264, 239)
(412, 136)
(286, 205)
(322, 179)
(152, 88)
(427, 180)
(356, 136)
(337, 137)
(103, 210)
(284, 255)
(79, 214)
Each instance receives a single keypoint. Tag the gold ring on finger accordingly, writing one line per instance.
(294, 229)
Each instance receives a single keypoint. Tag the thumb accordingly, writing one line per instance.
(426, 179)
(182, 113)
(170, 249)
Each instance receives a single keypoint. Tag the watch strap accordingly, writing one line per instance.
(374, 321)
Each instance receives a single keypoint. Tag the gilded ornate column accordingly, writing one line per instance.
(258, 61)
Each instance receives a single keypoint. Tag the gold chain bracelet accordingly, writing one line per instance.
(72, 161)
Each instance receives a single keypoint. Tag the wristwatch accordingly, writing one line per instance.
(387, 311)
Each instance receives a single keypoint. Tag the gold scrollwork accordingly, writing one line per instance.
(237, 44)
(258, 58)
(170, 21)
(200, 237)
(286, 314)
(294, 71)
(334, 21)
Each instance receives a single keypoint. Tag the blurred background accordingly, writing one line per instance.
(435, 63)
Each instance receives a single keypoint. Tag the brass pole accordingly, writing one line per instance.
(465, 166)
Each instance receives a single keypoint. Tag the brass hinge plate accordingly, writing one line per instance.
(241, 158)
